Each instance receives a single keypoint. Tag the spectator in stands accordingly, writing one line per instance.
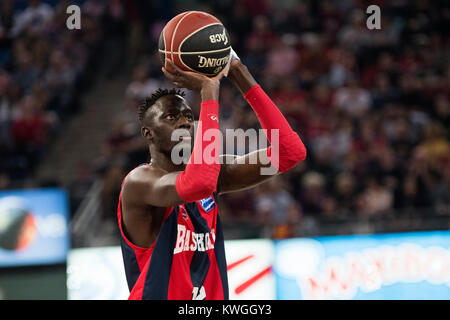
(440, 193)
(345, 194)
(5, 111)
(282, 58)
(141, 86)
(29, 127)
(313, 192)
(276, 209)
(34, 18)
(353, 99)
(6, 23)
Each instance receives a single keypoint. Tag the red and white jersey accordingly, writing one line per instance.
(186, 261)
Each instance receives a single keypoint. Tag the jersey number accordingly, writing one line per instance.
(198, 294)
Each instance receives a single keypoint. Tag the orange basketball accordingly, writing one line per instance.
(195, 41)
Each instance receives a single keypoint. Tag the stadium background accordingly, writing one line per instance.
(372, 107)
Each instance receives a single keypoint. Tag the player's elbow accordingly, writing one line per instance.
(301, 151)
(293, 155)
(296, 151)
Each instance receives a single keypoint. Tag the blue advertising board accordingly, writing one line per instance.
(396, 266)
(33, 227)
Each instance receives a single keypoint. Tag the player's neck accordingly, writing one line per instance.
(164, 162)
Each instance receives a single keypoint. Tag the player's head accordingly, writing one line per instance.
(161, 114)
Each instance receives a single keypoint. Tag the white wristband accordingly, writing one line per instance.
(234, 56)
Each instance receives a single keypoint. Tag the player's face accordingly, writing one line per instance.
(172, 123)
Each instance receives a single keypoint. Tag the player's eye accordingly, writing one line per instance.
(189, 117)
(170, 116)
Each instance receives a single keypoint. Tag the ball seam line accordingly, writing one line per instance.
(175, 32)
(194, 52)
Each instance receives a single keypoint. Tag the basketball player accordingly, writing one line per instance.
(172, 240)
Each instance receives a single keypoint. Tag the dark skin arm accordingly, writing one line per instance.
(238, 172)
(145, 193)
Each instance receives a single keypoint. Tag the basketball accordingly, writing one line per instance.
(195, 41)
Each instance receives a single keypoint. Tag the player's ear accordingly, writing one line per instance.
(147, 133)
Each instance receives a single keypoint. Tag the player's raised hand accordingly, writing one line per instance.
(239, 75)
(191, 80)
(207, 86)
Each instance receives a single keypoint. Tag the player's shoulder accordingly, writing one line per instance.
(143, 173)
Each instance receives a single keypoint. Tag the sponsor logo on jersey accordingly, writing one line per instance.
(207, 204)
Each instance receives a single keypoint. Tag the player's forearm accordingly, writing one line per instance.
(199, 179)
(291, 149)
(210, 90)
(241, 77)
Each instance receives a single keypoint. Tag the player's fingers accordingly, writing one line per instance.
(178, 84)
(222, 73)
(168, 75)
(174, 79)
(226, 69)
(233, 55)
(177, 70)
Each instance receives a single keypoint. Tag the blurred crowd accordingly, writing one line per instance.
(371, 106)
(44, 68)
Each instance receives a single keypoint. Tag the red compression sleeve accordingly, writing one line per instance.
(290, 147)
(199, 178)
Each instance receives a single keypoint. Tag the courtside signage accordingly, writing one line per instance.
(379, 267)
(382, 267)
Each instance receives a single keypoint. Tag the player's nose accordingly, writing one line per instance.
(183, 123)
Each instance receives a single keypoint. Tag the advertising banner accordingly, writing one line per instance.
(33, 227)
(96, 274)
(380, 267)
(249, 265)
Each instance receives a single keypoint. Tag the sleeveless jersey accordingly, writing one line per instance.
(187, 259)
